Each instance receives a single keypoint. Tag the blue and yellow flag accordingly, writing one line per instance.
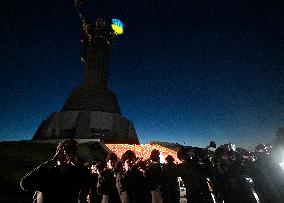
(117, 26)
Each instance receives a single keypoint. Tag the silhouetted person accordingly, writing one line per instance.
(155, 177)
(62, 179)
(171, 188)
(229, 178)
(107, 181)
(95, 167)
(192, 174)
(131, 182)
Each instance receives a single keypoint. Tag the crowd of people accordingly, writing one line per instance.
(207, 177)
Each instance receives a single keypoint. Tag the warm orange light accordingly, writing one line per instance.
(142, 151)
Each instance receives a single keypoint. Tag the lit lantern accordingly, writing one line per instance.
(117, 26)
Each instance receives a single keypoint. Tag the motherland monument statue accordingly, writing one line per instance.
(92, 111)
(97, 44)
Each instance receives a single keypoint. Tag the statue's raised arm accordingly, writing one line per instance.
(87, 33)
(78, 4)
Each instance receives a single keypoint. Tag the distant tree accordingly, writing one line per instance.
(280, 136)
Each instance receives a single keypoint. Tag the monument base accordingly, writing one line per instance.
(87, 125)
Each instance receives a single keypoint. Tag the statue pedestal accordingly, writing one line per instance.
(88, 126)
(92, 98)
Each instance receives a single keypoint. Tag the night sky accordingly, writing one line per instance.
(184, 71)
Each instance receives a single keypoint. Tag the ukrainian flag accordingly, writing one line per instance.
(117, 26)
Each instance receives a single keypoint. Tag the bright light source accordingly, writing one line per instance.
(249, 180)
(282, 165)
(162, 158)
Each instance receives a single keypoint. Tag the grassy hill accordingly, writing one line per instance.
(17, 158)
